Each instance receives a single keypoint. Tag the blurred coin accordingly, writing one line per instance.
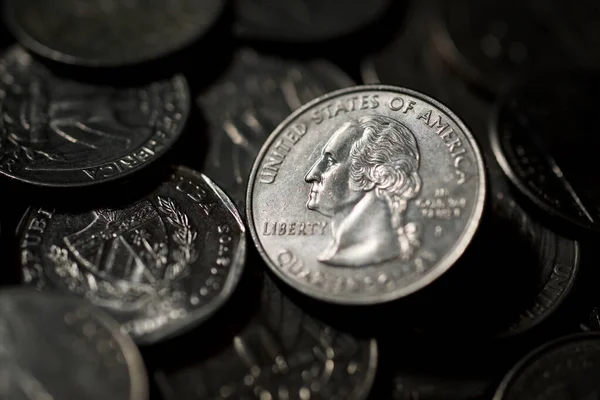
(57, 132)
(489, 43)
(366, 194)
(110, 32)
(161, 265)
(302, 20)
(545, 150)
(256, 93)
(566, 368)
(61, 347)
(281, 354)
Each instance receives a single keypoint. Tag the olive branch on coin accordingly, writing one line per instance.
(184, 236)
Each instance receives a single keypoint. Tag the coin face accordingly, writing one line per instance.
(57, 132)
(566, 368)
(161, 265)
(247, 104)
(366, 194)
(529, 139)
(109, 33)
(304, 21)
(282, 353)
(61, 347)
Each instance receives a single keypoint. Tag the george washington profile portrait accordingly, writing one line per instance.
(363, 180)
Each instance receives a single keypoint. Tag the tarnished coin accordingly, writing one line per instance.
(281, 354)
(109, 33)
(246, 105)
(161, 265)
(61, 347)
(489, 43)
(57, 132)
(566, 368)
(546, 153)
(366, 194)
(304, 21)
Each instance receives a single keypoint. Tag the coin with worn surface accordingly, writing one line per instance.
(304, 21)
(57, 132)
(161, 265)
(246, 105)
(544, 151)
(282, 353)
(61, 347)
(109, 33)
(489, 43)
(366, 194)
(566, 368)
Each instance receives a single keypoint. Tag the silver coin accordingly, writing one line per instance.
(111, 32)
(58, 132)
(61, 347)
(282, 353)
(256, 93)
(366, 194)
(566, 368)
(161, 265)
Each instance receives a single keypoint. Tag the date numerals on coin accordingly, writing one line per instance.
(442, 206)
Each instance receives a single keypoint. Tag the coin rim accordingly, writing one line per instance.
(139, 380)
(193, 319)
(441, 267)
(516, 180)
(523, 363)
(177, 79)
(45, 51)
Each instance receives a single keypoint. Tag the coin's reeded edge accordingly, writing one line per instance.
(556, 304)
(443, 265)
(368, 73)
(505, 165)
(41, 49)
(522, 364)
(177, 80)
(138, 376)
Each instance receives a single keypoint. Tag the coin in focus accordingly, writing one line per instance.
(304, 21)
(61, 347)
(109, 33)
(546, 152)
(566, 368)
(63, 133)
(282, 353)
(256, 93)
(366, 194)
(161, 265)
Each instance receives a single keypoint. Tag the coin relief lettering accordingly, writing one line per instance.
(442, 205)
(344, 106)
(279, 151)
(294, 228)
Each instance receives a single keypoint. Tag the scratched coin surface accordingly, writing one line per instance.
(160, 265)
(109, 33)
(61, 347)
(545, 153)
(57, 132)
(282, 353)
(255, 94)
(490, 43)
(566, 368)
(366, 194)
(302, 20)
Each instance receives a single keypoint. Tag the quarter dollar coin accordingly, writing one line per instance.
(366, 194)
